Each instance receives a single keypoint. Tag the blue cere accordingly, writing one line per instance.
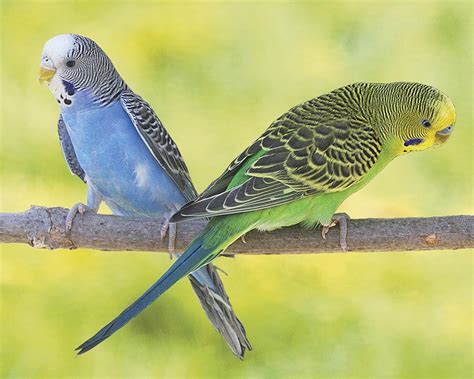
(446, 131)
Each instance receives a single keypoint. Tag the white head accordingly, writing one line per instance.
(72, 63)
(55, 52)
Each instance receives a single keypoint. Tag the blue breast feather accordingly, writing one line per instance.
(118, 163)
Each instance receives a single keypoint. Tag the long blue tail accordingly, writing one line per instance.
(214, 300)
(193, 258)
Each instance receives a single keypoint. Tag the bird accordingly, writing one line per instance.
(302, 168)
(115, 143)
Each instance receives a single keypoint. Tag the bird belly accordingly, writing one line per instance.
(119, 165)
(309, 211)
(317, 209)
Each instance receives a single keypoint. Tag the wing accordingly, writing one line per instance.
(158, 141)
(303, 153)
(68, 151)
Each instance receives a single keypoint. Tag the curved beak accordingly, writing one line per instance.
(45, 74)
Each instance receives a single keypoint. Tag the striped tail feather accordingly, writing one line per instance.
(216, 304)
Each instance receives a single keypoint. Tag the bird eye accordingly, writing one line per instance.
(71, 63)
(426, 123)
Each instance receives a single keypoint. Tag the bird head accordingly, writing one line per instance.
(71, 63)
(415, 116)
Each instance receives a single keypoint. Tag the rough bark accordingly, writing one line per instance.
(42, 227)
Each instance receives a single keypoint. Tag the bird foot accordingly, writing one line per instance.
(77, 208)
(169, 229)
(242, 238)
(341, 219)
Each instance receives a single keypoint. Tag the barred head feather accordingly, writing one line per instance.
(79, 63)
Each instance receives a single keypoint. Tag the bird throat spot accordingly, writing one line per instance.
(70, 90)
(413, 141)
(69, 87)
(64, 99)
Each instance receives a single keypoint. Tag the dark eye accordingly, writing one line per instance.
(426, 123)
(71, 63)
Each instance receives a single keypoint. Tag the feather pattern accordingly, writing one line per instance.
(158, 141)
(311, 149)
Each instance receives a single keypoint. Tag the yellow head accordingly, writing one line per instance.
(413, 116)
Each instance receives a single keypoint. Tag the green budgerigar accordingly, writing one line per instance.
(303, 167)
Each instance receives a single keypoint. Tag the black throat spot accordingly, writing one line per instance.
(69, 87)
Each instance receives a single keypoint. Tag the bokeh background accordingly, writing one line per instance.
(217, 74)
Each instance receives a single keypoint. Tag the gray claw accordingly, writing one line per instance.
(171, 228)
(172, 237)
(341, 220)
(77, 208)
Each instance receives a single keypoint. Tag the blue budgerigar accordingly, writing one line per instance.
(113, 140)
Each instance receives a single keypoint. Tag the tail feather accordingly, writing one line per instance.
(194, 257)
(216, 304)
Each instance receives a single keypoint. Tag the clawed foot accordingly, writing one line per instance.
(341, 219)
(77, 208)
(171, 229)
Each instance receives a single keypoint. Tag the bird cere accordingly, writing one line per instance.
(299, 171)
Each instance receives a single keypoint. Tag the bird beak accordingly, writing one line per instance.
(440, 139)
(45, 74)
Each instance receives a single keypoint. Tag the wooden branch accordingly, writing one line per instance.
(42, 227)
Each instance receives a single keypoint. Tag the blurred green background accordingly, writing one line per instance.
(217, 74)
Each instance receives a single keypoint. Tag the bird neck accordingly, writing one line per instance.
(382, 110)
(108, 91)
(76, 99)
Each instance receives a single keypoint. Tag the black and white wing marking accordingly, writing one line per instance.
(158, 141)
(68, 151)
(300, 155)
